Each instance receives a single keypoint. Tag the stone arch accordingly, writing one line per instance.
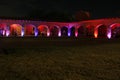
(90, 31)
(3, 29)
(55, 31)
(43, 30)
(72, 31)
(15, 29)
(114, 30)
(64, 31)
(29, 29)
(100, 31)
(81, 31)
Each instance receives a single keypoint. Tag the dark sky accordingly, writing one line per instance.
(97, 8)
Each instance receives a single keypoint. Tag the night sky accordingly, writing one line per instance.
(97, 8)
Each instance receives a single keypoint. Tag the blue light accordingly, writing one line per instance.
(69, 33)
(36, 32)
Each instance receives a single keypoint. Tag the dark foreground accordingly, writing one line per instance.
(59, 59)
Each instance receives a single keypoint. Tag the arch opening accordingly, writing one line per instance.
(90, 31)
(115, 30)
(72, 31)
(81, 31)
(64, 31)
(102, 31)
(29, 30)
(43, 30)
(54, 31)
(3, 29)
(15, 30)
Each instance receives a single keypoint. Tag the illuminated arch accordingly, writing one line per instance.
(29, 29)
(114, 29)
(72, 31)
(100, 31)
(64, 31)
(15, 29)
(55, 31)
(43, 30)
(90, 31)
(3, 29)
(81, 31)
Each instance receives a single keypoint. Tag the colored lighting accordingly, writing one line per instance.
(3, 32)
(76, 34)
(59, 34)
(109, 35)
(95, 35)
(69, 34)
(22, 33)
(7, 33)
(48, 34)
(36, 34)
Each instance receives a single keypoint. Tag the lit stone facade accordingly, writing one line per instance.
(107, 28)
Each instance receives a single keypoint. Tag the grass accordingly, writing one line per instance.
(59, 59)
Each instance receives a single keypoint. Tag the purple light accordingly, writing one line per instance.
(22, 33)
(36, 33)
(69, 33)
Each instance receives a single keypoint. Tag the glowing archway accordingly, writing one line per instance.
(43, 30)
(100, 30)
(55, 31)
(81, 30)
(3, 29)
(72, 31)
(29, 29)
(64, 31)
(90, 31)
(15, 29)
(114, 30)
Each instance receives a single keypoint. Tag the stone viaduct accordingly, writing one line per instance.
(106, 28)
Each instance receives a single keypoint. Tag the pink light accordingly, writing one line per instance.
(7, 33)
(76, 34)
(48, 34)
(59, 34)
(109, 35)
(3, 32)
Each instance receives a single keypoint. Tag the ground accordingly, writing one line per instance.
(59, 59)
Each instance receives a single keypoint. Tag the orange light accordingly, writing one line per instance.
(95, 34)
